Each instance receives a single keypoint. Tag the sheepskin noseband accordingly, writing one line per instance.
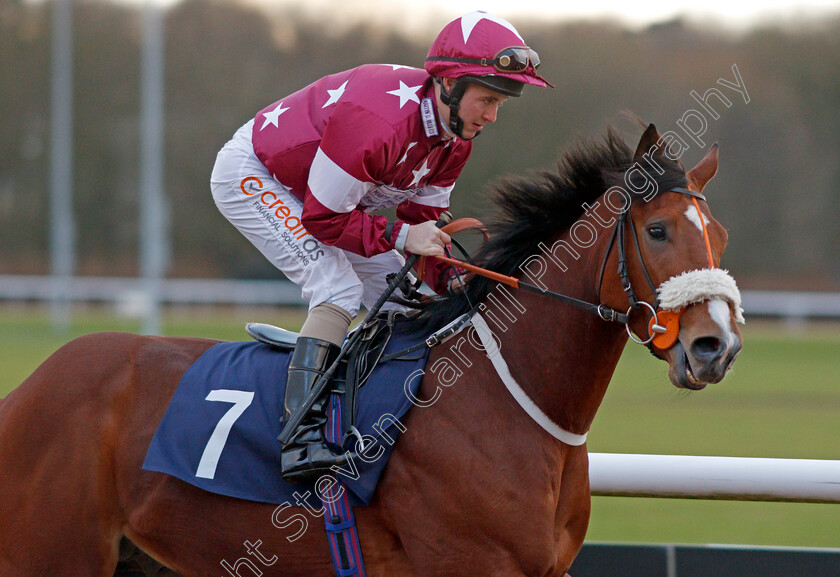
(699, 285)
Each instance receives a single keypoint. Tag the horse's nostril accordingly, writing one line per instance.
(707, 348)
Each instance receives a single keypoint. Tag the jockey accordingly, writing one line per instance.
(303, 178)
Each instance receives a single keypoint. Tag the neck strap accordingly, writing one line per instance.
(488, 341)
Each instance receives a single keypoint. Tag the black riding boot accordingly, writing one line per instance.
(307, 455)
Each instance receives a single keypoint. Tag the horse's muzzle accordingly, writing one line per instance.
(706, 361)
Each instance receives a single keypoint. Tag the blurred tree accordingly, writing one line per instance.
(220, 70)
(777, 191)
(24, 135)
(106, 100)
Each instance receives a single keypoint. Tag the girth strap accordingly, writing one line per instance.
(339, 521)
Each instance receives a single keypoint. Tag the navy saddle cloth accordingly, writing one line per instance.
(220, 430)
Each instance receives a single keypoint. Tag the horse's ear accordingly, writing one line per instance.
(705, 170)
(648, 141)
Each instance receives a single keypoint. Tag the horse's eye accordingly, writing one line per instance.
(656, 232)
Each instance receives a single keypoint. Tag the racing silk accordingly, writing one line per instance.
(358, 141)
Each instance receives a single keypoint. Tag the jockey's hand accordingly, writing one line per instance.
(426, 239)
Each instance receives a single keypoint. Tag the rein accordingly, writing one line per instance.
(602, 311)
(662, 332)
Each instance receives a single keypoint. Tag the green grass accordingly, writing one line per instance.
(782, 400)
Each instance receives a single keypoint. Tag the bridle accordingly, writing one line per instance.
(663, 328)
(662, 332)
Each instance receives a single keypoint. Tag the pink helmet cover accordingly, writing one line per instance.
(477, 35)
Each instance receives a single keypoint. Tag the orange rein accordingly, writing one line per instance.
(664, 326)
(602, 311)
(454, 227)
(508, 280)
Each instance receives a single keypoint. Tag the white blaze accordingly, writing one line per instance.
(691, 214)
(719, 311)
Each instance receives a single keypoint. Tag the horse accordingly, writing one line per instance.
(477, 483)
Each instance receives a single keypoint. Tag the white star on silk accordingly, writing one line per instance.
(398, 66)
(406, 93)
(422, 172)
(335, 94)
(469, 21)
(410, 146)
(272, 116)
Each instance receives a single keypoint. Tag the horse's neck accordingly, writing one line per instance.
(561, 356)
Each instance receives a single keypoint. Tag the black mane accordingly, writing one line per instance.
(537, 208)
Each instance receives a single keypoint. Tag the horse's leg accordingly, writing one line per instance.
(129, 563)
(136, 563)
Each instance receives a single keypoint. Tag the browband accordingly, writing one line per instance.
(689, 192)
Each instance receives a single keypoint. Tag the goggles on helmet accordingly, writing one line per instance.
(513, 59)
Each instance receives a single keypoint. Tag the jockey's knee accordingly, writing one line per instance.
(346, 292)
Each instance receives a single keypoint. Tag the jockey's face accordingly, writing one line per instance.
(479, 106)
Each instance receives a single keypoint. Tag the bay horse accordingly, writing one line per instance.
(475, 485)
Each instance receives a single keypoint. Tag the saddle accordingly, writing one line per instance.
(357, 365)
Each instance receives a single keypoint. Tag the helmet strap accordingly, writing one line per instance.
(453, 100)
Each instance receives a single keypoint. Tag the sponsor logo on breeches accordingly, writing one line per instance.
(279, 218)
